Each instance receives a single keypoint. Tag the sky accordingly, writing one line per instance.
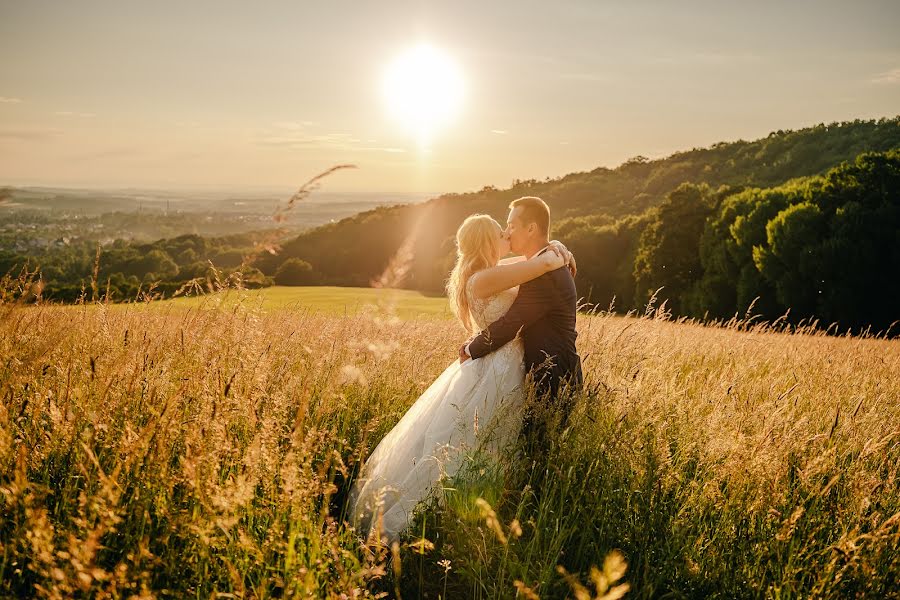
(264, 95)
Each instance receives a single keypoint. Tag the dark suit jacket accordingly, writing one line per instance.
(544, 311)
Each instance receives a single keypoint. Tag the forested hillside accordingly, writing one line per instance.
(803, 220)
(603, 215)
(824, 247)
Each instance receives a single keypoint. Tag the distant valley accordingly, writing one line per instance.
(46, 214)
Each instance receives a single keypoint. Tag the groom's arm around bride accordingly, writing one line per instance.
(544, 309)
(544, 314)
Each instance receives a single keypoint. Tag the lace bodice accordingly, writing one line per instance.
(487, 310)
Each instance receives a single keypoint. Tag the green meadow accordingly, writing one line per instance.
(406, 304)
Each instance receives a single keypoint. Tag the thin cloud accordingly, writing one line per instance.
(499, 131)
(888, 77)
(28, 135)
(69, 113)
(584, 76)
(306, 140)
(296, 135)
(707, 58)
(7, 100)
(294, 124)
(123, 152)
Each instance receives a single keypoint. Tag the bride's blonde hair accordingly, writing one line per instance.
(477, 248)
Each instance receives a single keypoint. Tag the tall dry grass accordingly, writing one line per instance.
(156, 451)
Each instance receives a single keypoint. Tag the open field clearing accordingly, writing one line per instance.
(330, 300)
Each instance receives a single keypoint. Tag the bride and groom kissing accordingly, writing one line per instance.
(520, 312)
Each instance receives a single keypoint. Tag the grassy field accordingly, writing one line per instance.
(332, 300)
(208, 454)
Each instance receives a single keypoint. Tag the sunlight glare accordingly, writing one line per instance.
(423, 89)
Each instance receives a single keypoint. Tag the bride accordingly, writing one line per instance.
(474, 405)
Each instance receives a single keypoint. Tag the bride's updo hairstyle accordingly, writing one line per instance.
(477, 248)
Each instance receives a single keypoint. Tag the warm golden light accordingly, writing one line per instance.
(423, 88)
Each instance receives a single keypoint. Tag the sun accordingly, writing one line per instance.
(423, 88)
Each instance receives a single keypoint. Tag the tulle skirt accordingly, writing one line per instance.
(474, 406)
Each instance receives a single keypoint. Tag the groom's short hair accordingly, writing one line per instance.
(534, 210)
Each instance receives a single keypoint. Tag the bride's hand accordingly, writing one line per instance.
(550, 261)
(560, 249)
(568, 257)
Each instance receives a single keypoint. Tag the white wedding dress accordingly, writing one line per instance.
(476, 405)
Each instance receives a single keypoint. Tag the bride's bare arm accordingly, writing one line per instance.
(504, 276)
(560, 248)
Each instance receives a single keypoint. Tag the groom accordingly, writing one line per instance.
(544, 313)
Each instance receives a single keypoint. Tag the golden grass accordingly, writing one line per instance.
(182, 452)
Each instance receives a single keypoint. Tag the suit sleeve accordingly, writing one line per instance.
(532, 303)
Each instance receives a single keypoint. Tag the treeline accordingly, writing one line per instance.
(638, 227)
(825, 248)
(803, 220)
(125, 268)
(356, 250)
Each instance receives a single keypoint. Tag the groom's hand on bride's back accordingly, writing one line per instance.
(463, 355)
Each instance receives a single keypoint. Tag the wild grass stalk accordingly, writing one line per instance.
(166, 451)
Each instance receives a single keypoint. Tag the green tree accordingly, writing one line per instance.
(836, 254)
(669, 252)
(605, 251)
(186, 256)
(294, 271)
(251, 277)
(156, 264)
(791, 259)
(826, 247)
(731, 281)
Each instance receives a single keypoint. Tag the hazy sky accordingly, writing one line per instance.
(266, 94)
